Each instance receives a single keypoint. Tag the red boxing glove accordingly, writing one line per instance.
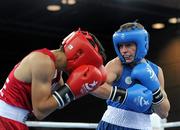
(85, 79)
(81, 81)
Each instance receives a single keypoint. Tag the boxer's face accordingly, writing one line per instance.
(128, 51)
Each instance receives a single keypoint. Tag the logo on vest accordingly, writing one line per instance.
(128, 80)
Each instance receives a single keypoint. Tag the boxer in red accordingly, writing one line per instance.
(35, 84)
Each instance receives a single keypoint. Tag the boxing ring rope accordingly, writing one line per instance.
(61, 124)
(86, 125)
(171, 124)
(156, 122)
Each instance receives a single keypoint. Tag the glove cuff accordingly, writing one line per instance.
(157, 97)
(63, 96)
(118, 95)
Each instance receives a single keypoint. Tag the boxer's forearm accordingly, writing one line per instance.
(103, 91)
(163, 108)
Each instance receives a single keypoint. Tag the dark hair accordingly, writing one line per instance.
(130, 26)
(101, 50)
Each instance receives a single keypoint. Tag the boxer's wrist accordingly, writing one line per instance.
(158, 97)
(63, 96)
(117, 94)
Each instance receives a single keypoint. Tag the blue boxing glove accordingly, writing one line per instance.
(137, 97)
(146, 76)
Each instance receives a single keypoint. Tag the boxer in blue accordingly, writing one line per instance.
(135, 86)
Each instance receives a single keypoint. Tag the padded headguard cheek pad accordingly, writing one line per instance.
(79, 51)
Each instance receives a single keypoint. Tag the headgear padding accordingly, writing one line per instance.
(136, 35)
(82, 48)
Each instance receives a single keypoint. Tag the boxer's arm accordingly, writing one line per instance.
(81, 81)
(56, 85)
(43, 102)
(104, 91)
(61, 81)
(137, 97)
(163, 108)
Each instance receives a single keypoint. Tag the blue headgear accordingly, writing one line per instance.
(135, 35)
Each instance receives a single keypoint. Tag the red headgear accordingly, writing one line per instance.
(82, 48)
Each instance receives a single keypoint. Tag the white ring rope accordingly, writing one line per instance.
(61, 124)
(171, 124)
(83, 125)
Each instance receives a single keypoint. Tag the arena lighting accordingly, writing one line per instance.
(53, 8)
(158, 25)
(68, 2)
(174, 20)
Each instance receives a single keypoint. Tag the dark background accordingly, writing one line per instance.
(27, 25)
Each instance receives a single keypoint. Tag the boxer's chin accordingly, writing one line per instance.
(129, 60)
